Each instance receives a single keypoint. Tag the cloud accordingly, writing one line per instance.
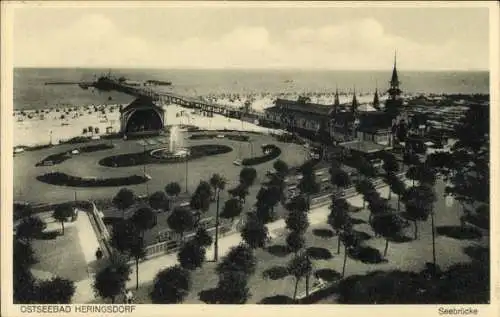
(94, 40)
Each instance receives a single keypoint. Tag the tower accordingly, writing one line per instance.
(376, 102)
(354, 105)
(394, 91)
(336, 102)
(394, 102)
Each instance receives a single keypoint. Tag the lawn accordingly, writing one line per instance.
(27, 188)
(62, 256)
(405, 254)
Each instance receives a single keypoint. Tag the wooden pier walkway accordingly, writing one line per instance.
(171, 98)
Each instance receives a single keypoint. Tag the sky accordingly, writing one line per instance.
(193, 36)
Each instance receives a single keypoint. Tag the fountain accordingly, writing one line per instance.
(176, 146)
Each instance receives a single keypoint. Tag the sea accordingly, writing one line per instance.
(30, 91)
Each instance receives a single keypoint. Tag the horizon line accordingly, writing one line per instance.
(256, 68)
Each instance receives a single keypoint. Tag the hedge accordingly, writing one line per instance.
(62, 179)
(63, 156)
(274, 152)
(141, 158)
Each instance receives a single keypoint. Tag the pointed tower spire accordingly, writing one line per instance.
(354, 105)
(394, 78)
(394, 90)
(336, 103)
(376, 101)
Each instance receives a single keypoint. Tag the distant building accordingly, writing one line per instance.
(142, 116)
(341, 123)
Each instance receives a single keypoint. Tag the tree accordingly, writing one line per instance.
(388, 226)
(300, 266)
(84, 131)
(29, 228)
(55, 291)
(173, 189)
(338, 218)
(22, 210)
(233, 288)
(181, 221)
(111, 280)
(171, 286)
(62, 213)
(264, 212)
(295, 241)
(232, 209)
(218, 183)
(144, 219)
(254, 233)
(96, 130)
(158, 201)
(297, 219)
(412, 173)
(123, 235)
(123, 200)
(202, 237)
(23, 281)
(248, 176)
(365, 188)
(281, 168)
(350, 241)
(240, 191)
(239, 258)
(390, 163)
(469, 175)
(364, 167)
(22, 254)
(191, 255)
(397, 186)
(418, 202)
(200, 201)
(308, 184)
(137, 250)
(340, 179)
(378, 206)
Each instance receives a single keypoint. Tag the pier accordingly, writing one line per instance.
(108, 84)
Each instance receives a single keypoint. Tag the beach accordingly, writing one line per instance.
(52, 125)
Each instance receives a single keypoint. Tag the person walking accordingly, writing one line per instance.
(99, 254)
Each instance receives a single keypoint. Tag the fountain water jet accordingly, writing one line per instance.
(176, 145)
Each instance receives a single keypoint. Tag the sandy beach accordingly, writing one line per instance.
(42, 126)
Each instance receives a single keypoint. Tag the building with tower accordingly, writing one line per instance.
(343, 122)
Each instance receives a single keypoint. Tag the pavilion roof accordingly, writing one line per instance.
(141, 102)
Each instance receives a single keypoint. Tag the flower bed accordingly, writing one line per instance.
(61, 157)
(141, 158)
(63, 179)
(272, 152)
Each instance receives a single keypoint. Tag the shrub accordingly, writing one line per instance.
(272, 152)
(63, 179)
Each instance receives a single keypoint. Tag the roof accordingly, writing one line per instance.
(142, 102)
(292, 105)
(372, 121)
(343, 117)
(363, 146)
